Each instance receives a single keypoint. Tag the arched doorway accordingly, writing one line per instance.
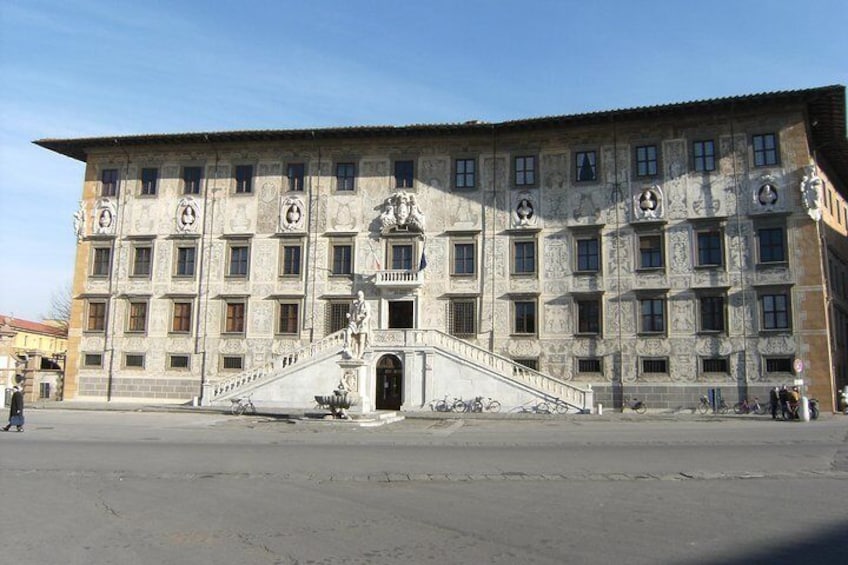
(389, 383)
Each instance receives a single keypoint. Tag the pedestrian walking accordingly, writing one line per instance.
(784, 403)
(16, 411)
(774, 402)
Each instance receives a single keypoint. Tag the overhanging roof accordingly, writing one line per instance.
(825, 107)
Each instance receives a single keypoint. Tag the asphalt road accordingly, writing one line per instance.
(96, 487)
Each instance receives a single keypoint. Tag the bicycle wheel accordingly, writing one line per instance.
(759, 409)
(494, 406)
(440, 406)
(477, 406)
(704, 407)
(641, 408)
(738, 408)
(543, 408)
(561, 408)
(723, 407)
(250, 408)
(459, 406)
(237, 409)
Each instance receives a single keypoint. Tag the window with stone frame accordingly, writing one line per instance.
(464, 260)
(295, 174)
(288, 320)
(652, 315)
(232, 362)
(710, 247)
(654, 365)
(179, 361)
(524, 170)
(588, 253)
(192, 179)
(181, 316)
(465, 174)
(137, 316)
(345, 177)
(149, 179)
(765, 150)
(101, 264)
(185, 261)
(239, 259)
(109, 182)
(524, 316)
(291, 258)
(524, 256)
(462, 316)
(244, 179)
(337, 316)
(589, 315)
(586, 163)
(235, 316)
(96, 316)
(134, 360)
(341, 258)
(142, 260)
(775, 312)
(647, 161)
(401, 255)
(703, 155)
(404, 173)
(771, 244)
(712, 313)
(651, 254)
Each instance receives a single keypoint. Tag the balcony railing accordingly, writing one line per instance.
(399, 278)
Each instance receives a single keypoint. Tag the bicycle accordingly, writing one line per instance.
(443, 405)
(555, 406)
(239, 406)
(636, 405)
(744, 407)
(481, 404)
(704, 404)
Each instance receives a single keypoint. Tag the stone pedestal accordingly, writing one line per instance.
(355, 378)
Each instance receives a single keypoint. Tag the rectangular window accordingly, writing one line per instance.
(192, 177)
(529, 363)
(337, 316)
(96, 317)
(181, 321)
(765, 149)
(525, 171)
(778, 365)
(465, 174)
(345, 176)
(712, 313)
(523, 257)
(239, 260)
(232, 362)
(291, 260)
(590, 365)
(101, 264)
(142, 257)
(342, 259)
(463, 259)
(650, 251)
(295, 173)
(288, 320)
(710, 252)
(137, 321)
(235, 317)
(775, 310)
(185, 261)
(588, 255)
(589, 316)
(655, 365)
(652, 315)
(92, 360)
(587, 166)
(524, 312)
(402, 257)
(178, 361)
(109, 182)
(771, 245)
(149, 177)
(715, 365)
(134, 360)
(244, 179)
(404, 173)
(646, 161)
(462, 319)
(703, 153)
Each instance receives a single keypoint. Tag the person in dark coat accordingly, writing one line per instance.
(774, 401)
(16, 411)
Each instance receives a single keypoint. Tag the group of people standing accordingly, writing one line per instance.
(786, 400)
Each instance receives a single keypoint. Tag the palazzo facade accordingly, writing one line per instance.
(651, 252)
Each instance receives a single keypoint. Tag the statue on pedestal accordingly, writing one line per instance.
(357, 333)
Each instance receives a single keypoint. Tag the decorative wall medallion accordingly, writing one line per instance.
(811, 192)
(188, 213)
(401, 212)
(292, 216)
(766, 194)
(104, 217)
(648, 204)
(524, 211)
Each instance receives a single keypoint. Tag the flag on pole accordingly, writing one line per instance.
(423, 263)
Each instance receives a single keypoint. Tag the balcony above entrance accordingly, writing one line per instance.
(399, 278)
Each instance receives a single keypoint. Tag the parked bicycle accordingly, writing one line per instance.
(704, 405)
(555, 406)
(483, 404)
(443, 404)
(636, 405)
(239, 406)
(745, 407)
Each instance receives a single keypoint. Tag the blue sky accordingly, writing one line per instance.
(97, 68)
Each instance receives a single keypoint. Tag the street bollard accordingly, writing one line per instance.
(805, 409)
(600, 409)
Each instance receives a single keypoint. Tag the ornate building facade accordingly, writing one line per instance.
(652, 252)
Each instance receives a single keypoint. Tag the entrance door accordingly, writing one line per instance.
(389, 383)
(401, 314)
